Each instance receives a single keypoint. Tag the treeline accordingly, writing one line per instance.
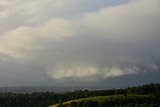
(43, 99)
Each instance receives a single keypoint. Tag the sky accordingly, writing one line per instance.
(79, 42)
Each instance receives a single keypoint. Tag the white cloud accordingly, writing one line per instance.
(83, 72)
(32, 12)
(72, 72)
(137, 20)
(22, 41)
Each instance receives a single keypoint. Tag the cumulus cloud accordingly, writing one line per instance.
(114, 41)
(14, 14)
(27, 39)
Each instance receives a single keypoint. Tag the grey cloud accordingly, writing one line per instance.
(112, 42)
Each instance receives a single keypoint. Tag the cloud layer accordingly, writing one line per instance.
(92, 45)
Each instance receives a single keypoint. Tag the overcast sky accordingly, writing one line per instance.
(79, 42)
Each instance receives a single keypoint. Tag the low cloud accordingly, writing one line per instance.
(85, 72)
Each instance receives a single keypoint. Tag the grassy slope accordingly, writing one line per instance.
(102, 99)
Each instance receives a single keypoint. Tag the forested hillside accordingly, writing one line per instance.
(114, 101)
(143, 95)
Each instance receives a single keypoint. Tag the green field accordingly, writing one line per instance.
(103, 99)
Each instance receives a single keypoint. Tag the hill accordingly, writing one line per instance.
(112, 101)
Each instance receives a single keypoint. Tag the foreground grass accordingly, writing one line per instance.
(102, 99)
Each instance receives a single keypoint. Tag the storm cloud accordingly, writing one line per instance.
(85, 45)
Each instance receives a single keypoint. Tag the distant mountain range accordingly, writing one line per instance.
(31, 89)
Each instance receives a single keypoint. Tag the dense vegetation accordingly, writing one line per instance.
(131, 97)
(113, 101)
